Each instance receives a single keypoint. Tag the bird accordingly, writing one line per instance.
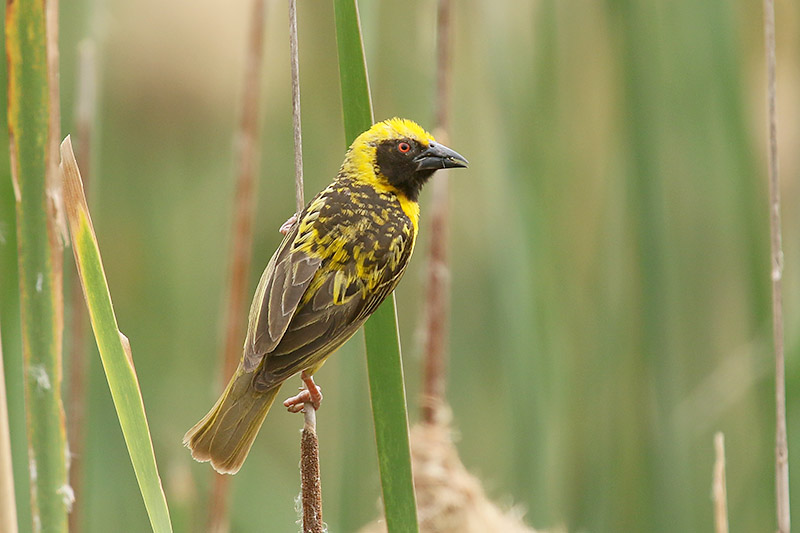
(341, 256)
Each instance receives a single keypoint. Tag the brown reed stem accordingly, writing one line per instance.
(309, 473)
(247, 159)
(57, 223)
(718, 488)
(438, 293)
(55, 200)
(443, 65)
(776, 247)
(85, 108)
(218, 501)
(56, 219)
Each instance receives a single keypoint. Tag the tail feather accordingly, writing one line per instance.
(224, 436)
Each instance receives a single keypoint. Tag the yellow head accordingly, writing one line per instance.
(398, 155)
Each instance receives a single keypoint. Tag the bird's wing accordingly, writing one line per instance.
(279, 291)
(344, 296)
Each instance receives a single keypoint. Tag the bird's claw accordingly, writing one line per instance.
(311, 394)
(287, 226)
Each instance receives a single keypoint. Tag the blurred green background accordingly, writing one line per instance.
(610, 272)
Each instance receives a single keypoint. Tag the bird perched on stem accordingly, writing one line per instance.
(341, 257)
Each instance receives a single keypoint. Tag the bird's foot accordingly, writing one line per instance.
(287, 226)
(311, 394)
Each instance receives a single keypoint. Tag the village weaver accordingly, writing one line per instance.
(340, 258)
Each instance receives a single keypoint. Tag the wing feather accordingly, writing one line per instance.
(320, 326)
(279, 292)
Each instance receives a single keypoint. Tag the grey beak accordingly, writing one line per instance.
(438, 156)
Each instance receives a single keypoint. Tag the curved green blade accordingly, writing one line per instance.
(112, 344)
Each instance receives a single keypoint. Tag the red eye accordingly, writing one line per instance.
(404, 147)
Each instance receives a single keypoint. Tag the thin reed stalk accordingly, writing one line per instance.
(310, 481)
(776, 246)
(247, 161)
(438, 294)
(296, 124)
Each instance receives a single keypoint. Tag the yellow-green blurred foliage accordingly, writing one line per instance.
(610, 267)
